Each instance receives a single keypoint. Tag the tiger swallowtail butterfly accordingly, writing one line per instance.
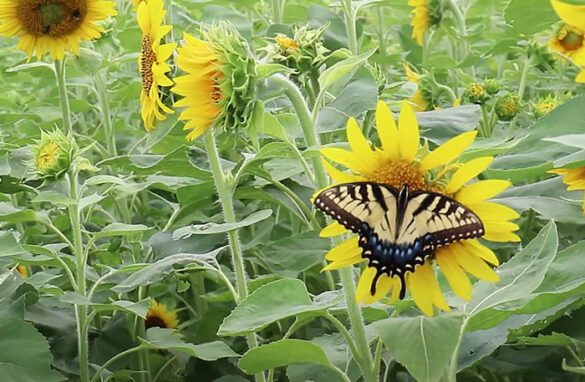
(398, 229)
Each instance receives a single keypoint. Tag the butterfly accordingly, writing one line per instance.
(398, 229)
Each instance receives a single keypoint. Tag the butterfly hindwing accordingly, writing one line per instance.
(398, 230)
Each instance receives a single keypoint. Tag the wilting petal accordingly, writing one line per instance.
(387, 131)
(467, 172)
(448, 151)
(480, 191)
(345, 250)
(472, 264)
(333, 229)
(408, 134)
(455, 276)
(571, 14)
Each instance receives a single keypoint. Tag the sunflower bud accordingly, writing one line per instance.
(541, 57)
(476, 93)
(223, 71)
(304, 52)
(544, 105)
(379, 76)
(507, 106)
(491, 86)
(52, 154)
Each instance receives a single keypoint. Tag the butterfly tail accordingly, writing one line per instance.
(375, 281)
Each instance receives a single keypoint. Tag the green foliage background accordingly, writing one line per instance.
(153, 227)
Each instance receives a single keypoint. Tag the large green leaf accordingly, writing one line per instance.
(423, 345)
(169, 339)
(269, 303)
(9, 246)
(24, 353)
(282, 353)
(519, 276)
(212, 228)
(530, 16)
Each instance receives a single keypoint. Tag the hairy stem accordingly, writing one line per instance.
(64, 99)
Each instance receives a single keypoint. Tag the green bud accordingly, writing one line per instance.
(507, 106)
(476, 93)
(491, 86)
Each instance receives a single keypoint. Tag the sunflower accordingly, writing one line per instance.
(421, 19)
(53, 26)
(418, 98)
(151, 61)
(22, 270)
(220, 82)
(159, 316)
(569, 41)
(401, 161)
(573, 177)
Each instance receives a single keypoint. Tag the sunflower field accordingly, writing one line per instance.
(292, 190)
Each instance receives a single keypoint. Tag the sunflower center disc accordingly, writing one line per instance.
(147, 59)
(572, 41)
(55, 18)
(154, 322)
(48, 156)
(396, 174)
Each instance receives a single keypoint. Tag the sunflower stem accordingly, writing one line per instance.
(64, 99)
(225, 193)
(350, 26)
(357, 324)
(452, 374)
(277, 11)
(80, 310)
(105, 108)
(307, 124)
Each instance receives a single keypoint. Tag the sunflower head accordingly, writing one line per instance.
(476, 93)
(402, 163)
(152, 61)
(425, 14)
(423, 98)
(220, 84)
(544, 105)
(569, 41)
(22, 271)
(159, 316)
(53, 26)
(52, 154)
(507, 106)
(286, 45)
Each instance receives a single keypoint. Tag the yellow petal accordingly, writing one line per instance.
(481, 251)
(467, 172)
(333, 229)
(342, 263)
(387, 131)
(358, 143)
(346, 249)
(472, 264)
(365, 284)
(482, 190)
(455, 276)
(349, 160)
(340, 176)
(580, 77)
(395, 289)
(493, 211)
(571, 14)
(448, 151)
(383, 284)
(408, 134)
(502, 237)
(425, 290)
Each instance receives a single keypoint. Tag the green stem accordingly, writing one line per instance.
(64, 99)
(114, 359)
(306, 120)
(523, 77)
(277, 11)
(350, 26)
(357, 324)
(163, 367)
(102, 95)
(80, 310)
(225, 193)
(378, 357)
(452, 374)
(381, 30)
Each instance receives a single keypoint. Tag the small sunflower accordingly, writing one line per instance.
(220, 82)
(545, 105)
(401, 160)
(159, 316)
(52, 155)
(424, 14)
(22, 271)
(569, 41)
(418, 99)
(152, 61)
(53, 26)
(286, 44)
(574, 178)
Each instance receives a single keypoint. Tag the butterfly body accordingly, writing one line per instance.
(398, 229)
